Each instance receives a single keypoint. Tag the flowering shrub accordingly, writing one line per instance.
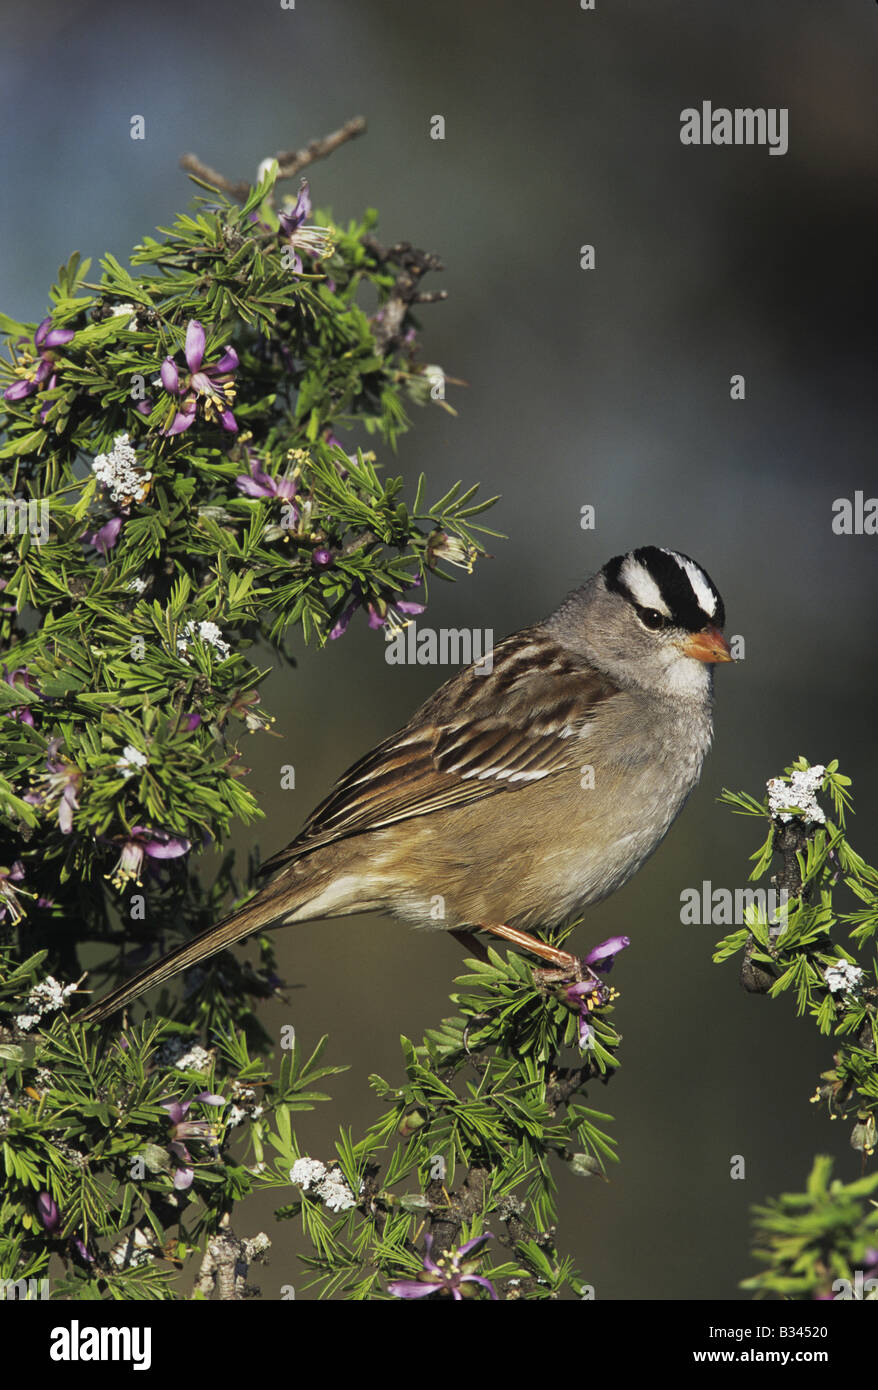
(179, 430)
(819, 1243)
(175, 489)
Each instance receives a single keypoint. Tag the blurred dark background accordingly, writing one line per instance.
(608, 387)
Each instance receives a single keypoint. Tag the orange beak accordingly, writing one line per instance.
(709, 645)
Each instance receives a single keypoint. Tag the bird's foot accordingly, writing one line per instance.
(574, 971)
(561, 960)
(581, 971)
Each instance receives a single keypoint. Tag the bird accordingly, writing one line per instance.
(527, 788)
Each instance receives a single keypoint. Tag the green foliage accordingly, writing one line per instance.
(802, 944)
(809, 1239)
(174, 492)
(217, 537)
(467, 1140)
(136, 1186)
(820, 1243)
(127, 680)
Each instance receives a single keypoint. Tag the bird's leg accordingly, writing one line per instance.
(470, 942)
(566, 962)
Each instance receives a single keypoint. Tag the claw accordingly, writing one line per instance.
(573, 973)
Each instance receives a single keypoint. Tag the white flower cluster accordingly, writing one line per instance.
(305, 1172)
(245, 1105)
(801, 791)
(196, 1059)
(131, 759)
(176, 1053)
(137, 585)
(119, 472)
(44, 998)
(842, 976)
(208, 632)
(120, 310)
(326, 1183)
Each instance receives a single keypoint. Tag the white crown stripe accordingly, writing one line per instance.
(701, 588)
(642, 587)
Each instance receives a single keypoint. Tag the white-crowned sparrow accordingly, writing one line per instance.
(512, 799)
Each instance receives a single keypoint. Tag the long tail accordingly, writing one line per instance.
(265, 908)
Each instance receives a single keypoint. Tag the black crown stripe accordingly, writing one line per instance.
(674, 584)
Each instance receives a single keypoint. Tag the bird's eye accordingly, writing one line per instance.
(652, 618)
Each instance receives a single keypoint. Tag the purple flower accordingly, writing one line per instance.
(314, 241)
(391, 613)
(602, 957)
(47, 1211)
(582, 995)
(37, 368)
(8, 891)
(155, 844)
(394, 615)
(58, 784)
(447, 1275)
(21, 712)
(191, 1129)
(212, 387)
(106, 536)
(321, 557)
(182, 1129)
(343, 621)
(258, 483)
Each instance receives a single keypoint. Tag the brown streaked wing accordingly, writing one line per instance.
(477, 736)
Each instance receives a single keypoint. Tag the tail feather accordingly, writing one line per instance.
(265, 908)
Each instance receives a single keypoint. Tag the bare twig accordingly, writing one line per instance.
(193, 165)
(289, 162)
(564, 1082)
(413, 265)
(409, 264)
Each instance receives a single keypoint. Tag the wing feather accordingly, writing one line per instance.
(479, 735)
